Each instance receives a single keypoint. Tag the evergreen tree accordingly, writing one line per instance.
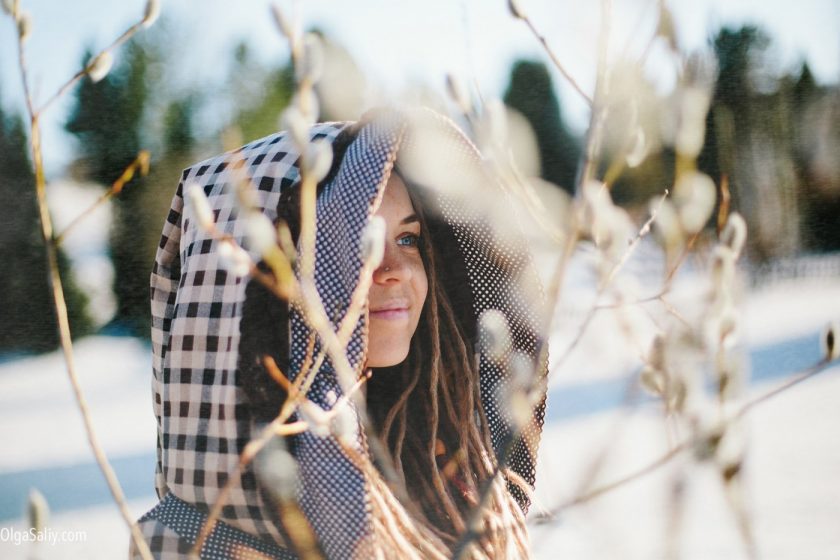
(749, 140)
(735, 51)
(26, 306)
(107, 120)
(259, 95)
(531, 92)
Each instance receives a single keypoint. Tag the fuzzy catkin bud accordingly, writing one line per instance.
(307, 103)
(38, 511)
(830, 344)
(695, 195)
(495, 123)
(667, 225)
(458, 93)
(200, 206)
(151, 13)
(495, 334)
(234, 258)
(373, 242)
(734, 233)
(260, 232)
(516, 9)
(315, 418)
(311, 64)
(319, 159)
(294, 121)
(100, 66)
(277, 470)
(283, 24)
(8, 7)
(639, 151)
(694, 104)
(653, 380)
(344, 425)
(24, 25)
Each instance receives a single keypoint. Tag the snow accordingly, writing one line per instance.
(792, 488)
(40, 423)
(86, 243)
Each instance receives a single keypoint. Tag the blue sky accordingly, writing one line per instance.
(401, 45)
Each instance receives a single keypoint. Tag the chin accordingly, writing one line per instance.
(386, 359)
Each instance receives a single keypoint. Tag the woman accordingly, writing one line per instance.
(435, 417)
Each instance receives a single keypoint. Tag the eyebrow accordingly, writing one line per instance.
(410, 218)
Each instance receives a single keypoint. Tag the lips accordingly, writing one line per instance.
(392, 310)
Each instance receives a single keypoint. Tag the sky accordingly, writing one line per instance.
(403, 45)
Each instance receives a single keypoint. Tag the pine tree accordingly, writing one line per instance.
(260, 97)
(107, 120)
(531, 92)
(26, 306)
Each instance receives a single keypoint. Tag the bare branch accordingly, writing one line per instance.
(60, 307)
(140, 163)
(684, 445)
(554, 58)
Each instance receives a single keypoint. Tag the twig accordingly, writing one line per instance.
(60, 307)
(643, 231)
(277, 427)
(589, 164)
(140, 163)
(81, 73)
(666, 288)
(685, 444)
(559, 65)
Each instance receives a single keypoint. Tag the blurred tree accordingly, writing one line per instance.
(749, 141)
(107, 119)
(816, 133)
(531, 92)
(259, 94)
(176, 152)
(26, 306)
(178, 134)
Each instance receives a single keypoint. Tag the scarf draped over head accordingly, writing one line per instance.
(205, 414)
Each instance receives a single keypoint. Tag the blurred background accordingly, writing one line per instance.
(208, 73)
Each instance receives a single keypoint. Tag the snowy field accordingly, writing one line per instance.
(792, 469)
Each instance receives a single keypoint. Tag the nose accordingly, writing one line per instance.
(393, 268)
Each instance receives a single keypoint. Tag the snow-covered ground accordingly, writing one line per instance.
(792, 469)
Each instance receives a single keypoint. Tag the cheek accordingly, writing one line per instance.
(421, 284)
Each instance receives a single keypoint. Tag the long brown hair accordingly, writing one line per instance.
(427, 410)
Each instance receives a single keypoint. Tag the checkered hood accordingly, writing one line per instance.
(203, 413)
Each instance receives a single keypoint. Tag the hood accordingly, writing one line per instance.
(205, 415)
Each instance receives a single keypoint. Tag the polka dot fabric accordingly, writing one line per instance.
(203, 417)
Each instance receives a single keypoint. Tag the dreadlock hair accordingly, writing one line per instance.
(427, 410)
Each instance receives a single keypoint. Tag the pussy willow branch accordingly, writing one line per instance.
(594, 468)
(555, 59)
(586, 168)
(643, 231)
(598, 113)
(593, 145)
(277, 427)
(682, 446)
(130, 32)
(60, 307)
(667, 284)
(308, 301)
(140, 163)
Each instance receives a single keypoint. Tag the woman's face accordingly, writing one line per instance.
(399, 285)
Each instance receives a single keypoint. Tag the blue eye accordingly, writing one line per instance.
(409, 240)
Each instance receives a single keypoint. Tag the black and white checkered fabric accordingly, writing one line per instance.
(203, 415)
